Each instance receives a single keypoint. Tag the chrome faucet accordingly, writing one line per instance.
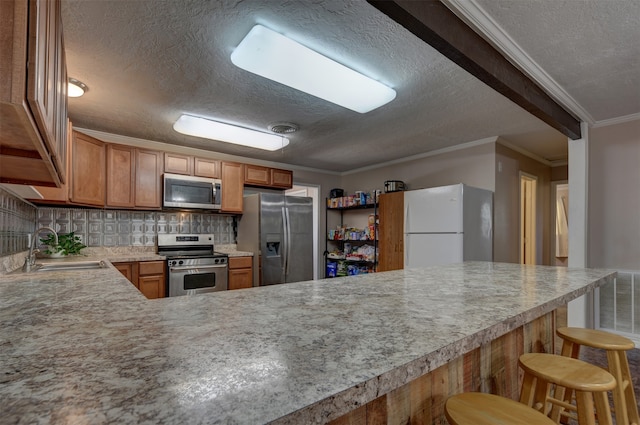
(30, 261)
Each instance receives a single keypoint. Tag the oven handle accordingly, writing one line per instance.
(175, 269)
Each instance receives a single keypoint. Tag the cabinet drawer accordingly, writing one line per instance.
(240, 262)
(150, 268)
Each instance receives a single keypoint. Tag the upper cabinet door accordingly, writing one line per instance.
(281, 178)
(88, 170)
(257, 175)
(232, 187)
(41, 77)
(204, 167)
(178, 164)
(120, 176)
(149, 168)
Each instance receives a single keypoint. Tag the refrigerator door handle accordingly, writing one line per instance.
(288, 241)
(285, 248)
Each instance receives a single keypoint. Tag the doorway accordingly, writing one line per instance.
(528, 187)
(312, 192)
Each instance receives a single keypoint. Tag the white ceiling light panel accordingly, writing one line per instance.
(272, 55)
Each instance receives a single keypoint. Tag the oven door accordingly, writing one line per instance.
(197, 279)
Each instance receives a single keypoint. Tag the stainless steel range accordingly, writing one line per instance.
(193, 267)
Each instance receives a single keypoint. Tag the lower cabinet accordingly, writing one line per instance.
(240, 272)
(147, 276)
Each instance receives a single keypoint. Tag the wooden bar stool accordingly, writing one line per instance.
(589, 383)
(625, 407)
(489, 409)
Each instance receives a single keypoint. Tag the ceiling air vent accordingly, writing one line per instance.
(283, 127)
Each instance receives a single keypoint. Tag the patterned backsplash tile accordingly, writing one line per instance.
(103, 228)
(17, 221)
(112, 228)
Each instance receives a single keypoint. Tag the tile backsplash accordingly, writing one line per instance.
(17, 221)
(134, 228)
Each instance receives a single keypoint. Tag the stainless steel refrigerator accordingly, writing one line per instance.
(279, 229)
(447, 224)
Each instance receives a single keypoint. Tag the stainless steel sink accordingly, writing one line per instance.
(68, 265)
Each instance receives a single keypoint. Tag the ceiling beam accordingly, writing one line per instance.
(435, 24)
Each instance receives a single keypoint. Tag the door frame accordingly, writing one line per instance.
(528, 218)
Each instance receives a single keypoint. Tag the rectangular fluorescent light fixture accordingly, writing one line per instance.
(214, 130)
(272, 55)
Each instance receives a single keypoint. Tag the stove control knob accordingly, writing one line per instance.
(181, 262)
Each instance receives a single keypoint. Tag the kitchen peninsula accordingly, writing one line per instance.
(88, 347)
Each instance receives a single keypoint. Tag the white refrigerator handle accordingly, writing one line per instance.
(288, 241)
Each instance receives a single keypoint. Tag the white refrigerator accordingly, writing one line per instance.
(447, 224)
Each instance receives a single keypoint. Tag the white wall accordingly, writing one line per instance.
(472, 165)
(614, 196)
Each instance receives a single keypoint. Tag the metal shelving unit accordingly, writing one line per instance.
(356, 242)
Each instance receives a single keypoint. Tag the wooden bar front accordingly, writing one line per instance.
(490, 368)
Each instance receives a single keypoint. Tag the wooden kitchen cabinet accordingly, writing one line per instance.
(391, 231)
(191, 166)
(151, 279)
(120, 176)
(147, 276)
(178, 164)
(240, 272)
(281, 178)
(128, 270)
(257, 175)
(232, 187)
(88, 170)
(205, 167)
(33, 102)
(148, 181)
(59, 195)
(133, 178)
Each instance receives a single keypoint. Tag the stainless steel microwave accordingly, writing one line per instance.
(191, 192)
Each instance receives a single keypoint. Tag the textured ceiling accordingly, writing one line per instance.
(148, 61)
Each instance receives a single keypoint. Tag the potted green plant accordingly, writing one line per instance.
(68, 244)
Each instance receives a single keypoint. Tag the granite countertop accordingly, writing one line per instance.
(87, 347)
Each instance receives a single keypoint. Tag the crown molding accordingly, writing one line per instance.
(423, 155)
(476, 17)
(617, 120)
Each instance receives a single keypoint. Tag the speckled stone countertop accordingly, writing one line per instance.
(87, 347)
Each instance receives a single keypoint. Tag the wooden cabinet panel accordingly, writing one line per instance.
(232, 187)
(120, 176)
(151, 287)
(128, 270)
(240, 262)
(178, 164)
(146, 268)
(59, 195)
(88, 170)
(391, 231)
(147, 276)
(41, 90)
(240, 279)
(149, 168)
(32, 93)
(240, 272)
(257, 175)
(281, 178)
(203, 167)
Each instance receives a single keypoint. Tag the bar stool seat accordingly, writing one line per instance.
(589, 383)
(489, 409)
(616, 346)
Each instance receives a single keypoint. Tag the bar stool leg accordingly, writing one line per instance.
(602, 405)
(624, 397)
